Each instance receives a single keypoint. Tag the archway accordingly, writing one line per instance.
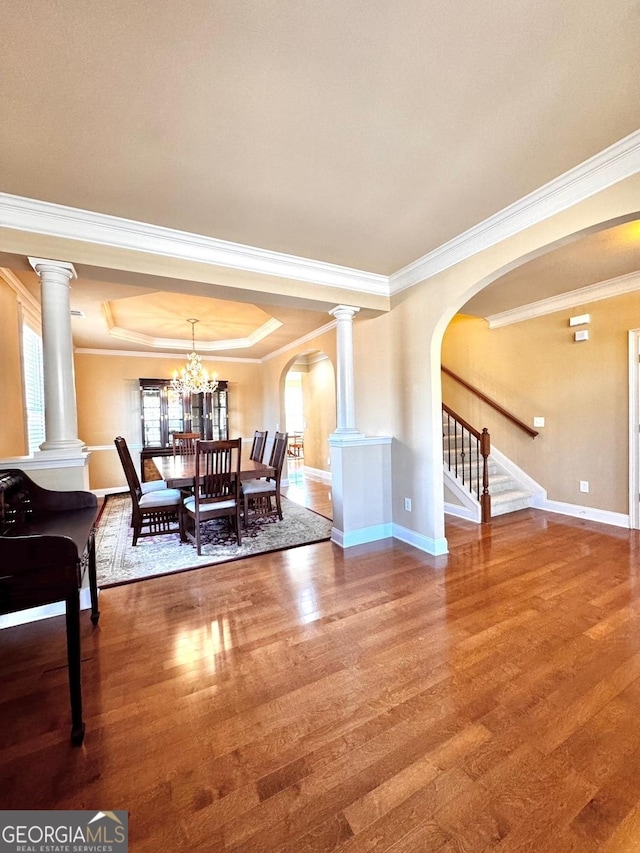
(308, 407)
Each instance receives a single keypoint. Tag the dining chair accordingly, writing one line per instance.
(217, 488)
(154, 511)
(296, 445)
(184, 443)
(259, 492)
(259, 445)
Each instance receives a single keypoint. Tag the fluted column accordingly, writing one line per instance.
(60, 411)
(345, 402)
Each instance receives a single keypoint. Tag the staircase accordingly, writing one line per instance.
(507, 493)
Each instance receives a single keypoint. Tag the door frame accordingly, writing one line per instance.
(634, 429)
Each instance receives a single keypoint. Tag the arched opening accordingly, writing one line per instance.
(514, 340)
(308, 394)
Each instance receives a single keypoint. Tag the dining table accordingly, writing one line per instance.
(179, 472)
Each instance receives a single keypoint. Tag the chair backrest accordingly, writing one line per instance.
(184, 443)
(278, 453)
(259, 445)
(218, 470)
(133, 481)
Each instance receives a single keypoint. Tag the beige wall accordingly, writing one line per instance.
(274, 373)
(108, 400)
(581, 389)
(13, 436)
(397, 356)
(319, 399)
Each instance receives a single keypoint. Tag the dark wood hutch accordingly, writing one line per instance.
(163, 411)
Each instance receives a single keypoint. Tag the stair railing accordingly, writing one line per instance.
(494, 405)
(464, 446)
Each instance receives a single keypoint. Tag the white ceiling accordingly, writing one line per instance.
(364, 133)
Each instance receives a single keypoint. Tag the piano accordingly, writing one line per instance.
(47, 544)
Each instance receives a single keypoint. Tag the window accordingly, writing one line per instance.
(33, 387)
(293, 402)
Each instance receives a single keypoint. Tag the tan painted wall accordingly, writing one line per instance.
(108, 404)
(581, 389)
(274, 373)
(319, 398)
(13, 441)
(397, 356)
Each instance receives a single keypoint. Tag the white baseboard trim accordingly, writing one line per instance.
(318, 473)
(603, 516)
(112, 490)
(45, 611)
(435, 547)
(361, 536)
(462, 512)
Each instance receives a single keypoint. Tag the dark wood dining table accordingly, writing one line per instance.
(179, 472)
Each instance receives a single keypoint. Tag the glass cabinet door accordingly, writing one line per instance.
(163, 411)
(152, 420)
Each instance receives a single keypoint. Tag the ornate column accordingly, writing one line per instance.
(60, 411)
(345, 402)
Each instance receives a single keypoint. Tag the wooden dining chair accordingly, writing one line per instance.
(153, 512)
(259, 493)
(259, 445)
(184, 443)
(130, 471)
(217, 488)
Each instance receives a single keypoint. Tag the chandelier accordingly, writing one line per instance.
(193, 378)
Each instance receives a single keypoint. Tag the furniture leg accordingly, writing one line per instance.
(73, 658)
(93, 579)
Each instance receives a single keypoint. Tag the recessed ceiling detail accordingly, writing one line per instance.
(160, 321)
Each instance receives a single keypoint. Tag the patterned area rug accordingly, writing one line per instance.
(119, 562)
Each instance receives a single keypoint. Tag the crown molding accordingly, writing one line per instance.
(564, 301)
(136, 354)
(55, 220)
(203, 346)
(621, 160)
(617, 162)
(303, 340)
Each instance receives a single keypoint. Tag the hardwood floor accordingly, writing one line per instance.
(374, 699)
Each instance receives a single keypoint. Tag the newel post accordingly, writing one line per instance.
(485, 500)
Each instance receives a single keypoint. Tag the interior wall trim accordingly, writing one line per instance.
(55, 220)
(565, 301)
(617, 162)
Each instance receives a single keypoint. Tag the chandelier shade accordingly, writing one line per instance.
(193, 378)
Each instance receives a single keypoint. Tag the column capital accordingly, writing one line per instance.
(344, 312)
(41, 265)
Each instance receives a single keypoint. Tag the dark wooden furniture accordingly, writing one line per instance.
(47, 542)
(155, 509)
(217, 471)
(179, 472)
(164, 411)
(258, 493)
(259, 445)
(184, 443)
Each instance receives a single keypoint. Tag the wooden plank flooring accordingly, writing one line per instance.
(374, 699)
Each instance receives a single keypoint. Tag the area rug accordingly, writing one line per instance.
(118, 562)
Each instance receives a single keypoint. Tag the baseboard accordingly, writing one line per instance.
(113, 490)
(325, 476)
(435, 547)
(602, 516)
(462, 512)
(362, 536)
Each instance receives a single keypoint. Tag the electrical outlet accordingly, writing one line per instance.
(584, 486)
(538, 422)
(407, 504)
